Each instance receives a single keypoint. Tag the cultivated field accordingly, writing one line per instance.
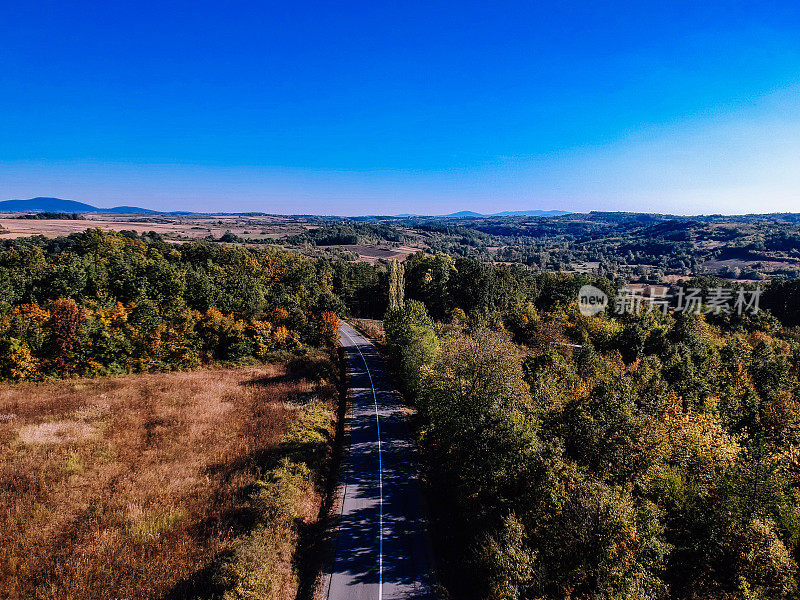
(372, 253)
(161, 485)
(175, 227)
(256, 229)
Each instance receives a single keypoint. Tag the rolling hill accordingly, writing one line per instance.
(508, 213)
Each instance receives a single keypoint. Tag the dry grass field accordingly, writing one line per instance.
(181, 228)
(372, 253)
(161, 486)
(176, 227)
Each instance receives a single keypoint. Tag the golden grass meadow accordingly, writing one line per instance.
(156, 485)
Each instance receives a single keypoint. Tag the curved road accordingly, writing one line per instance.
(382, 550)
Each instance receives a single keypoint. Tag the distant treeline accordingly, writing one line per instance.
(642, 247)
(630, 245)
(53, 216)
(351, 233)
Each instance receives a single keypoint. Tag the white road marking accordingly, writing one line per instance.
(380, 467)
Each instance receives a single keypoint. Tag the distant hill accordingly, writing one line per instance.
(530, 213)
(56, 205)
(508, 213)
(128, 210)
(464, 213)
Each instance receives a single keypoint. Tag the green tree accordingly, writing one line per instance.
(397, 284)
(411, 341)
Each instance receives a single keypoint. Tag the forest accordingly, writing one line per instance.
(608, 456)
(98, 303)
(647, 247)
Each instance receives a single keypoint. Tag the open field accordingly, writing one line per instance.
(182, 227)
(766, 265)
(257, 229)
(372, 253)
(369, 253)
(164, 485)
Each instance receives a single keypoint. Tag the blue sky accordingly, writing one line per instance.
(403, 107)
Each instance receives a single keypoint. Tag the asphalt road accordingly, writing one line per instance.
(382, 550)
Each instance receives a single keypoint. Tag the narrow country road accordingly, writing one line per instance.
(382, 550)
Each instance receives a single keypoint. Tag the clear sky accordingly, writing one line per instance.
(426, 107)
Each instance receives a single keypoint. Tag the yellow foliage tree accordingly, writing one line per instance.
(16, 361)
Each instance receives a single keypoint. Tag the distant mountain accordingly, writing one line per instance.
(464, 213)
(67, 206)
(128, 210)
(46, 205)
(508, 213)
(58, 205)
(530, 213)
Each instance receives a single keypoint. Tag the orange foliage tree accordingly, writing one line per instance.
(329, 328)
